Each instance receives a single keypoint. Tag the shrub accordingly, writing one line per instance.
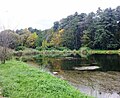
(20, 48)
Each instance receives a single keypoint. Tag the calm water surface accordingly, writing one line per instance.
(101, 83)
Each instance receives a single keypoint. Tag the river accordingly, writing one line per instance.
(103, 82)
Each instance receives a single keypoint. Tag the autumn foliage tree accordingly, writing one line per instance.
(57, 38)
(23, 35)
(31, 40)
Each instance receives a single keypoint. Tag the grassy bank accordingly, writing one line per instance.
(104, 51)
(18, 80)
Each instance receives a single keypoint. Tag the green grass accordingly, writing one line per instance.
(104, 51)
(19, 80)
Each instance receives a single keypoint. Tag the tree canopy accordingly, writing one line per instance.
(99, 30)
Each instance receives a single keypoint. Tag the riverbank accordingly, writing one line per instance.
(18, 80)
(54, 53)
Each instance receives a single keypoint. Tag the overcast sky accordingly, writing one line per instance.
(41, 14)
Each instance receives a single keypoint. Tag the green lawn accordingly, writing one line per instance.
(19, 80)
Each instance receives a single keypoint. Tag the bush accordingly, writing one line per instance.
(39, 48)
(20, 48)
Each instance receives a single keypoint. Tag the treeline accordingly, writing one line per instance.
(100, 30)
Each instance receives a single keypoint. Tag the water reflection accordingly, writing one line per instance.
(101, 83)
(108, 62)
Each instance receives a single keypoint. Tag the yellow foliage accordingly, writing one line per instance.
(44, 44)
(61, 31)
(56, 39)
(31, 39)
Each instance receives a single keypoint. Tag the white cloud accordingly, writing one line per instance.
(42, 13)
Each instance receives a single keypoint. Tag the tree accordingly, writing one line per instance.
(56, 39)
(85, 39)
(73, 27)
(56, 26)
(24, 34)
(44, 44)
(6, 39)
(31, 40)
(106, 30)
